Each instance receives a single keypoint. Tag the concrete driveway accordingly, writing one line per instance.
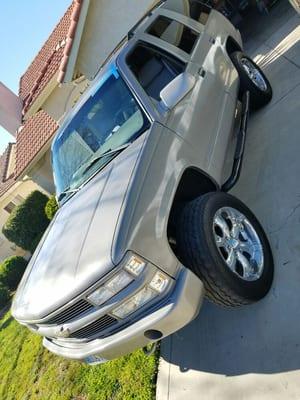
(254, 352)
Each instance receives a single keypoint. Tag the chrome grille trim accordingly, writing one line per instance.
(67, 315)
(95, 328)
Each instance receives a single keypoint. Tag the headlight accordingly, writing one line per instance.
(132, 269)
(134, 302)
(159, 282)
(110, 288)
(135, 265)
(158, 285)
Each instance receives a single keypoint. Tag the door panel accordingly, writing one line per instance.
(197, 118)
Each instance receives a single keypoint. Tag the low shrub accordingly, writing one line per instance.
(35, 242)
(27, 221)
(11, 271)
(4, 295)
(51, 207)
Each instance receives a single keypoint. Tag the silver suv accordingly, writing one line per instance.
(145, 227)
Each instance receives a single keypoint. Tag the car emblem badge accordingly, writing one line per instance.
(63, 333)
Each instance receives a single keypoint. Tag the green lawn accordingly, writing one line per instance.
(28, 372)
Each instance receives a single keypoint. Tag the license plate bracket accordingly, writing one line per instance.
(95, 360)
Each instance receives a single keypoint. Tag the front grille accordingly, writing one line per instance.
(95, 328)
(81, 307)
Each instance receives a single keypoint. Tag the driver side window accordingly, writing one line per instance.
(153, 69)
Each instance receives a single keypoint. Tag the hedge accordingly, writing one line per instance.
(51, 207)
(27, 221)
(11, 271)
(4, 295)
(35, 242)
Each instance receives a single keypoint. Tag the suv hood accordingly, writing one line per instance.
(75, 251)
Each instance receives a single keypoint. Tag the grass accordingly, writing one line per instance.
(29, 372)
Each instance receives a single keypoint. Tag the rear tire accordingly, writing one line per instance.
(252, 79)
(198, 249)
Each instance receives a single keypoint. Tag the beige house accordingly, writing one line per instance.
(12, 193)
(57, 77)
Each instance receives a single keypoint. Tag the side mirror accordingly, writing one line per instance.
(177, 89)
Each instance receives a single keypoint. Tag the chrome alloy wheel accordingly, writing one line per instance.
(238, 243)
(254, 74)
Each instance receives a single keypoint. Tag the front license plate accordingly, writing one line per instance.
(94, 360)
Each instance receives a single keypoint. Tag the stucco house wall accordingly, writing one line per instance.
(41, 173)
(64, 97)
(104, 28)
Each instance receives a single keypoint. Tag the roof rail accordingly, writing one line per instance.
(148, 14)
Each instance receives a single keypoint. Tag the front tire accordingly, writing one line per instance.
(252, 79)
(222, 242)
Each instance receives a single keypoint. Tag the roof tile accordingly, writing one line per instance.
(70, 38)
(40, 128)
(47, 61)
(36, 133)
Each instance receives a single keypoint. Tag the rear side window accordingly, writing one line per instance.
(153, 69)
(174, 33)
(200, 10)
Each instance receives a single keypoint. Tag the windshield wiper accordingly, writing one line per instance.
(106, 154)
(92, 162)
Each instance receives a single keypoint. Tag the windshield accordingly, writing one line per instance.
(109, 121)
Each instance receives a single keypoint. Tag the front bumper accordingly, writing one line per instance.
(182, 307)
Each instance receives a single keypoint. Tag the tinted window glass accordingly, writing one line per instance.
(109, 119)
(153, 70)
(174, 33)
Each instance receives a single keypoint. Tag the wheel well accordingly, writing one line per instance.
(232, 45)
(193, 184)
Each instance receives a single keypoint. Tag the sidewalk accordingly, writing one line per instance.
(253, 353)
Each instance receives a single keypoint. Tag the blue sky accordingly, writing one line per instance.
(24, 27)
